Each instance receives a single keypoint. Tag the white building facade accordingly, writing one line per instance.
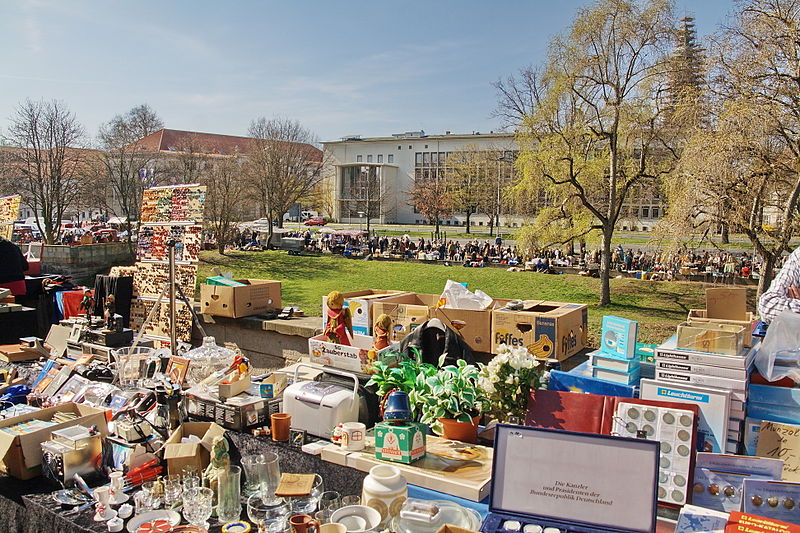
(356, 164)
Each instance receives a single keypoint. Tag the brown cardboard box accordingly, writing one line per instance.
(257, 296)
(711, 337)
(407, 311)
(22, 454)
(726, 305)
(475, 327)
(548, 329)
(447, 528)
(360, 304)
(178, 455)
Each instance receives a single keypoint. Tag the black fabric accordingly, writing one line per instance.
(432, 343)
(17, 324)
(12, 263)
(369, 403)
(122, 289)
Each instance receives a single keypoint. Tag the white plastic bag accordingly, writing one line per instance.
(783, 335)
(457, 296)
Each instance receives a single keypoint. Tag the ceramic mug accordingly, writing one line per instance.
(333, 528)
(303, 523)
(353, 435)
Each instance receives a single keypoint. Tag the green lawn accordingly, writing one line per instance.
(658, 306)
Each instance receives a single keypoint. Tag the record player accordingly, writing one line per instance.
(317, 407)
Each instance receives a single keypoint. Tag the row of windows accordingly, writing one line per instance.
(360, 158)
(644, 211)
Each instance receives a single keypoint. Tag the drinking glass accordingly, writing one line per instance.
(173, 489)
(330, 500)
(229, 502)
(191, 477)
(351, 500)
(197, 506)
(153, 490)
(262, 473)
(268, 513)
(308, 504)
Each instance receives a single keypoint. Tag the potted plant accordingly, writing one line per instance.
(401, 375)
(451, 401)
(507, 381)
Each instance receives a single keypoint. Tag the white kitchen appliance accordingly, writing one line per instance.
(318, 407)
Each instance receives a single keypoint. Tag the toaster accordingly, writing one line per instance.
(316, 407)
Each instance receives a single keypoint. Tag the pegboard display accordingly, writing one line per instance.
(175, 203)
(154, 238)
(151, 278)
(159, 325)
(9, 213)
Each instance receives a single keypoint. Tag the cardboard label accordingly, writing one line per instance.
(781, 441)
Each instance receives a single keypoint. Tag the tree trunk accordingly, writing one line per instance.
(437, 227)
(726, 238)
(605, 266)
(491, 225)
(469, 214)
(766, 273)
(220, 247)
(368, 218)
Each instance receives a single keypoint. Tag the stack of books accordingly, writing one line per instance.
(616, 360)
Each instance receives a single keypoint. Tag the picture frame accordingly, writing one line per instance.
(75, 333)
(176, 369)
(297, 438)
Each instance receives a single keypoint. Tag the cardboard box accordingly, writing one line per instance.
(255, 297)
(400, 443)
(357, 357)
(668, 351)
(548, 329)
(726, 305)
(710, 337)
(178, 454)
(22, 454)
(407, 311)
(273, 386)
(447, 528)
(229, 390)
(475, 327)
(360, 304)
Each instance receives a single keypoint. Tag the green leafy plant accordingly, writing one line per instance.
(401, 375)
(452, 392)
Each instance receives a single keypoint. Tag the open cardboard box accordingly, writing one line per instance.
(360, 304)
(198, 454)
(407, 311)
(358, 357)
(548, 329)
(255, 297)
(22, 454)
(712, 337)
(726, 305)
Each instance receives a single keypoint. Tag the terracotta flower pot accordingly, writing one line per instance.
(462, 431)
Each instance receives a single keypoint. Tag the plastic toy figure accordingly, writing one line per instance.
(87, 304)
(220, 461)
(339, 321)
(109, 309)
(382, 328)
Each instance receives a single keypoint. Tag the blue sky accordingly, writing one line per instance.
(340, 68)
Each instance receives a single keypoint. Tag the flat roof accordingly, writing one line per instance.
(423, 138)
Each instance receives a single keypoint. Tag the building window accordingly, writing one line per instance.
(645, 212)
(434, 158)
(426, 158)
(426, 146)
(391, 158)
(369, 158)
(418, 158)
(380, 158)
(655, 212)
(359, 158)
(399, 147)
(409, 147)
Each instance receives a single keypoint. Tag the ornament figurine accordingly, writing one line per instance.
(339, 320)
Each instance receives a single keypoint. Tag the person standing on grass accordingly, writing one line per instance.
(784, 292)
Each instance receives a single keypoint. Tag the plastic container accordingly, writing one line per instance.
(205, 360)
(427, 516)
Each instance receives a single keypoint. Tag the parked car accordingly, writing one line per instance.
(316, 221)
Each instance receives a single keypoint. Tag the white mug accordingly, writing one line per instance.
(117, 483)
(333, 528)
(353, 436)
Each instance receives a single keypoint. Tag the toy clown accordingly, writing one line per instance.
(338, 319)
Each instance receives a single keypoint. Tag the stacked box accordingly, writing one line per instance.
(617, 360)
(714, 372)
(769, 402)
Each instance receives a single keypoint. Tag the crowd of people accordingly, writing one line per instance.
(659, 265)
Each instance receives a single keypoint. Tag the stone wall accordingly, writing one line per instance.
(83, 261)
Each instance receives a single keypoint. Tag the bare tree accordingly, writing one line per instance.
(47, 161)
(368, 195)
(283, 165)
(224, 198)
(124, 170)
(467, 172)
(594, 129)
(189, 161)
(432, 197)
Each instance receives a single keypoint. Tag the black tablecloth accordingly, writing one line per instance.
(28, 507)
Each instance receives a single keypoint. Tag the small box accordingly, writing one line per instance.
(360, 305)
(272, 386)
(447, 528)
(573, 481)
(358, 357)
(21, 453)
(623, 378)
(618, 337)
(729, 471)
(178, 454)
(238, 413)
(229, 390)
(646, 353)
(710, 337)
(407, 311)
(400, 443)
(547, 329)
(254, 297)
(612, 362)
(110, 339)
(669, 351)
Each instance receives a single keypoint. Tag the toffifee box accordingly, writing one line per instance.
(573, 482)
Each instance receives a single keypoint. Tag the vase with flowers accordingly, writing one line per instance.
(507, 381)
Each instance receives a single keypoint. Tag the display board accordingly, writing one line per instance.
(172, 213)
(9, 213)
